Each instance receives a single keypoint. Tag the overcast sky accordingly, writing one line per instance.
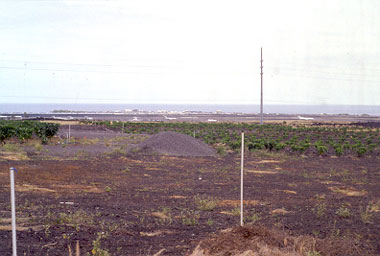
(198, 51)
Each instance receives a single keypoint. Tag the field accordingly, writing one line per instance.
(319, 180)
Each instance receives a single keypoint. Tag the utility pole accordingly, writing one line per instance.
(261, 99)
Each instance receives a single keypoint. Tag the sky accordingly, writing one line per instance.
(200, 51)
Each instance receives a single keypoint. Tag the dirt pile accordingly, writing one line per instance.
(174, 144)
(260, 241)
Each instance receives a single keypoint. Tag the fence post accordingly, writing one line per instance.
(13, 208)
(69, 133)
(241, 179)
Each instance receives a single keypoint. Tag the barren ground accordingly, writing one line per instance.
(129, 204)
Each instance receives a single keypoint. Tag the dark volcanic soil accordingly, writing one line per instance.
(174, 144)
(140, 204)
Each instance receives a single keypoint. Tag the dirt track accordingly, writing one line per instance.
(138, 205)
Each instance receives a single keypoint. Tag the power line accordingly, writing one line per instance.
(61, 98)
(27, 62)
(77, 71)
(318, 71)
(332, 78)
(56, 63)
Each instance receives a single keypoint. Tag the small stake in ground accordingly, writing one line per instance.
(13, 207)
(241, 179)
(77, 252)
(69, 134)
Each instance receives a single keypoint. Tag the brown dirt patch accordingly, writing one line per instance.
(261, 241)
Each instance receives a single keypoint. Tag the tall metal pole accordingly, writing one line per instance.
(242, 181)
(13, 210)
(261, 99)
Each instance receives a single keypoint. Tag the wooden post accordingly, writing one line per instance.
(77, 252)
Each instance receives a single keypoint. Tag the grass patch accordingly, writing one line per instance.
(348, 191)
(343, 212)
(12, 147)
(320, 210)
(74, 219)
(206, 203)
(190, 218)
(164, 216)
(252, 217)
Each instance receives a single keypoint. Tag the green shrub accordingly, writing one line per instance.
(338, 150)
(6, 132)
(361, 151)
(321, 148)
(24, 130)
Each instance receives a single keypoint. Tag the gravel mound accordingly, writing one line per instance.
(174, 144)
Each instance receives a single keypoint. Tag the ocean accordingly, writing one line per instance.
(229, 108)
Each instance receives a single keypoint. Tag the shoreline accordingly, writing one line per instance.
(161, 116)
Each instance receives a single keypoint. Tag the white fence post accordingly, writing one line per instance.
(69, 133)
(13, 207)
(241, 179)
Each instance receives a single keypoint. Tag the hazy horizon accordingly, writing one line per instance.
(227, 108)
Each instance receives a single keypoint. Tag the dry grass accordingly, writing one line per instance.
(33, 188)
(287, 191)
(61, 122)
(280, 211)
(267, 162)
(177, 197)
(348, 191)
(261, 172)
(235, 203)
(13, 156)
(23, 224)
(156, 233)
(260, 241)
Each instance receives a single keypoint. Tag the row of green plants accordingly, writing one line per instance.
(25, 130)
(344, 140)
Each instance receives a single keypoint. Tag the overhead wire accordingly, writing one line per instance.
(77, 71)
